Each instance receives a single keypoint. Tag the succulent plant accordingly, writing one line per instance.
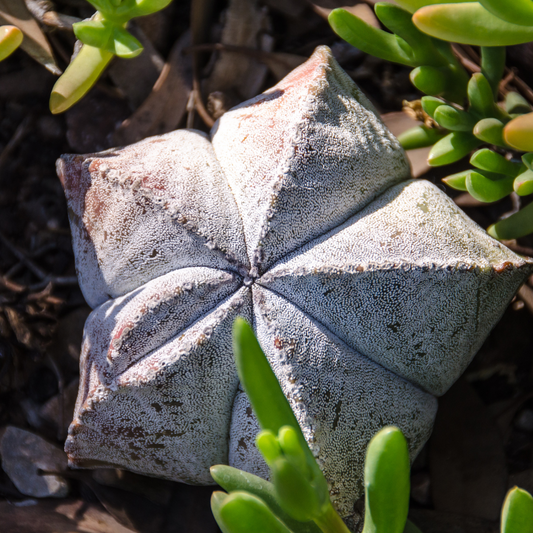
(369, 292)
(420, 31)
(103, 36)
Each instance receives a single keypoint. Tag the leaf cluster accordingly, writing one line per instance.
(464, 111)
(103, 36)
(297, 499)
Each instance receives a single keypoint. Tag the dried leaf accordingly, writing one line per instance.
(467, 458)
(64, 516)
(245, 26)
(280, 64)
(164, 108)
(35, 43)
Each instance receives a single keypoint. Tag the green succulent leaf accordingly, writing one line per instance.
(260, 383)
(451, 148)
(430, 104)
(371, 40)
(232, 479)
(96, 33)
(517, 512)
(516, 12)
(454, 119)
(516, 103)
(487, 186)
(470, 23)
(420, 137)
(481, 98)
(513, 227)
(79, 77)
(523, 184)
(297, 496)
(518, 133)
(413, 5)
(275, 415)
(493, 65)
(486, 159)
(386, 482)
(457, 181)
(124, 44)
(490, 130)
(398, 21)
(429, 80)
(527, 159)
(242, 512)
(10, 39)
(147, 7)
(104, 6)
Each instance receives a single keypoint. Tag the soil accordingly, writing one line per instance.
(483, 438)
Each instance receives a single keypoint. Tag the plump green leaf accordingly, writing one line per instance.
(481, 98)
(233, 479)
(454, 119)
(10, 39)
(241, 512)
(104, 6)
(268, 401)
(217, 500)
(386, 482)
(527, 159)
(518, 133)
(430, 104)
(486, 159)
(147, 7)
(292, 450)
(420, 137)
(488, 187)
(371, 40)
(125, 45)
(490, 130)
(516, 103)
(413, 5)
(429, 80)
(457, 181)
(296, 495)
(513, 227)
(470, 23)
(451, 148)
(260, 383)
(517, 512)
(96, 33)
(515, 11)
(301, 491)
(78, 78)
(493, 65)
(523, 184)
(398, 21)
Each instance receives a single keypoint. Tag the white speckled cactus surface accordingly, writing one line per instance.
(369, 292)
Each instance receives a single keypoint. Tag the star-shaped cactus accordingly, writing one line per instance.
(369, 292)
